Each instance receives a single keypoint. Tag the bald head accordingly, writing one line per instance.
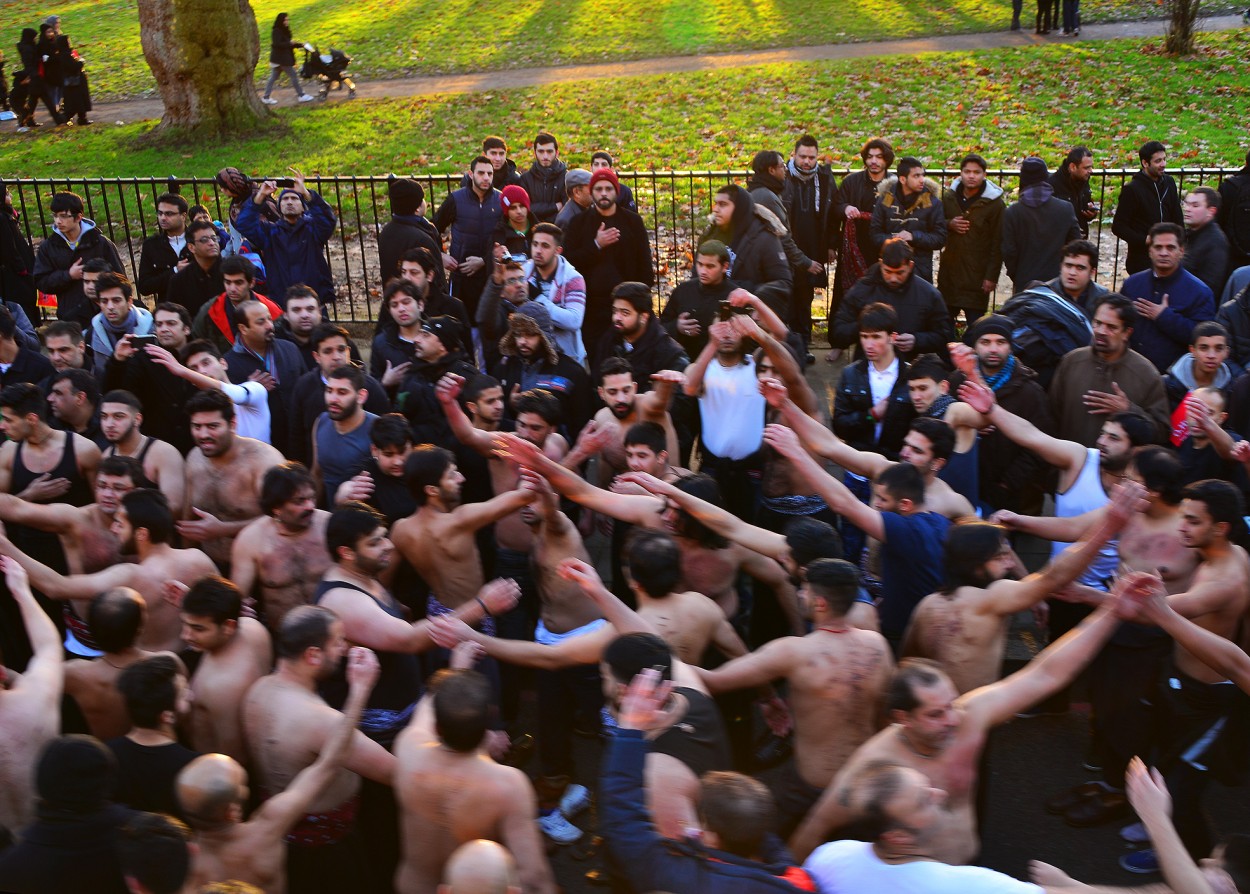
(116, 619)
(211, 790)
(480, 867)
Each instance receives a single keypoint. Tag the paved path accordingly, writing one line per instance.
(141, 109)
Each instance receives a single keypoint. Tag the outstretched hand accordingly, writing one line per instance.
(500, 595)
(774, 391)
(1127, 498)
(448, 631)
(784, 441)
(362, 668)
(643, 705)
(977, 396)
(448, 388)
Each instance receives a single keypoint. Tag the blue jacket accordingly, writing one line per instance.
(293, 252)
(652, 863)
(1165, 338)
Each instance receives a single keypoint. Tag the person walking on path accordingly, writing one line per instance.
(282, 59)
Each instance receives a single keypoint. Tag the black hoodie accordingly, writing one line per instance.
(545, 187)
(758, 262)
(1142, 204)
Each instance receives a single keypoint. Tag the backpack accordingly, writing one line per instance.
(1047, 326)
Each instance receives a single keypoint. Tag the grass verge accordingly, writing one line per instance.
(1005, 104)
(398, 38)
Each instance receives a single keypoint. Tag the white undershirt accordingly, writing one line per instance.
(880, 386)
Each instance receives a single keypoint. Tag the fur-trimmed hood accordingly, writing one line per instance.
(534, 318)
(887, 189)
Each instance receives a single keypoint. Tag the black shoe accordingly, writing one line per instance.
(83, 121)
(1097, 809)
(1065, 801)
(811, 358)
(1015, 24)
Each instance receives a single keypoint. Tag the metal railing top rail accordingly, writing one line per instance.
(673, 203)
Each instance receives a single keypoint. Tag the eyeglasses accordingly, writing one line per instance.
(206, 240)
(514, 281)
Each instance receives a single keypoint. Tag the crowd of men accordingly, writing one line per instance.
(288, 613)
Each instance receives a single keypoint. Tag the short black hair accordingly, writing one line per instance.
(121, 396)
(237, 265)
(1139, 429)
(1077, 154)
(474, 387)
(1164, 228)
(615, 366)
(212, 401)
(975, 159)
(940, 434)
(541, 402)
(170, 307)
(810, 539)
(1122, 306)
(548, 229)
(425, 467)
(630, 654)
(1160, 471)
(878, 317)
(545, 139)
(172, 198)
(896, 253)
(637, 294)
(705, 488)
(154, 850)
(1082, 247)
(1209, 329)
(62, 328)
(200, 346)
(1223, 500)
(148, 508)
(910, 674)
(353, 374)
(903, 481)
(300, 290)
(836, 581)
(806, 140)
(969, 545)
(493, 143)
(111, 280)
(462, 708)
(282, 483)
(215, 598)
(390, 430)
(325, 331)
(66, 201)
(148, 689)
(24, 398)
(80, 382)
(653, 561)
(646, 434)
(303, 627)
(350, 523)
(907, 164)
(1150, 149)
(419, 255)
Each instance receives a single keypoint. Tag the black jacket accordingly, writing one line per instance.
(159, 389)
(1035, 230)
(853, 401)
(923, 218)
(807, 203)
(156, 266)
(545, 187)
(193, 286)
(53, 259)
(416, 399)
(67, 852)
(626, 260)
(282, 330)
(565, 379)
(1206, 256)
(921, 312)
(1012, 477)
(653, 351)
(1078, 195)
(758, 261)
(402, 232)
(17, 261)
(703, 303)
(28, 366)
(281, 45)
(975, 256)
(1234, 217)
(1143, 203)
(288, 367)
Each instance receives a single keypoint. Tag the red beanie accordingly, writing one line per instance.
(514, 195)
(605, 174)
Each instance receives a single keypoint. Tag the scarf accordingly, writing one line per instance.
(939, 406)
(999, 379)
(851, 264)
(805, 177)
(128, 325)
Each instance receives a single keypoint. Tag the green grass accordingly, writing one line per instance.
(1004, 104)
(397, 38)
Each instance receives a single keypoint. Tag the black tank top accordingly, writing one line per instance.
(698, 740)
(45, 546)
(138, 457)
(399, 678)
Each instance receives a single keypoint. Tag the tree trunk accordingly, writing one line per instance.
(1179, 36)
(203, 54)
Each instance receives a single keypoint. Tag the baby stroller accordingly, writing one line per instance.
(328, 70)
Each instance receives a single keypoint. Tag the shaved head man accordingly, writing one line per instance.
(480, 867)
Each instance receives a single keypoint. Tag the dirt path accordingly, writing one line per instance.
(141, 109)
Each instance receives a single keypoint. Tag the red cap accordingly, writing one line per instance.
(605, 174)
(514, 195)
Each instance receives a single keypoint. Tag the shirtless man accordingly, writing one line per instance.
(86, 539)
(963, 626)
(29, 704)
(213, 793)
(116, 619)
(918, 449)
(121, 415)
(224, 474)
(450, 791)
(709, 564)
(144, 525)
(624, 406)
(672, 782)
(288, 726)
(836, 675)
(942, 734)
(284, 551)
(236, 653)
(438, 540)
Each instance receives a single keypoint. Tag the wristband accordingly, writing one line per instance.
(485, 610)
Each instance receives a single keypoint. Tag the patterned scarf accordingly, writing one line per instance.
(999, 379)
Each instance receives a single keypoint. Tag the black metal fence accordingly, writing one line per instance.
(674, 204)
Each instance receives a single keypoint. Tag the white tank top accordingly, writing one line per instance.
(732, 410)
(1085, 495)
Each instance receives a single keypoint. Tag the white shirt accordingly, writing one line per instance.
(732, 410)
(251, 409)
(852, 867)
(178, 243)
(880, 386)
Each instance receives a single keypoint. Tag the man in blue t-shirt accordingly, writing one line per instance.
(912, 538)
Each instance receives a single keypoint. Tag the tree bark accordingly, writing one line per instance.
(203, 54)
(1182, 24)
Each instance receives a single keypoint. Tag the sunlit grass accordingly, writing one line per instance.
(393, 38)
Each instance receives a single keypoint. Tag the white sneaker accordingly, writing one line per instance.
(558, 829)
(23, 130)
(269, 100)
(576, 799)
(306, 98)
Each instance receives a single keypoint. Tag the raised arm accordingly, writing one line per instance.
(447, 391)
(1211, 649)
(698, 368)
(1008, 597)
(75, 586)
(769, 662)
(276, 816)
(1050, 527)
(44, 677)
(819, 439)
(721, 521)
(785, 367)
(838, 497)
(1065, 455)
